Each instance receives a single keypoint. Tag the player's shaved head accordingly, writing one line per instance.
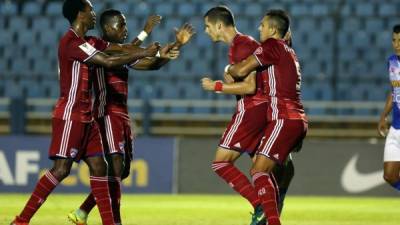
(396, 28)
(220, 13)
(280, 20)
(109, 16)
(71, 8)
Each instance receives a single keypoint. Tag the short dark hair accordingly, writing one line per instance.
(281, 20)
(71, 8)
(107, 15)
(396, 28)
(220, 13)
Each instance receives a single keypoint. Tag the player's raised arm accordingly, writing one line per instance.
(243, 68)
(383, 123)
(247, 86)
(152, 21)
(136, 53)
(183, 35)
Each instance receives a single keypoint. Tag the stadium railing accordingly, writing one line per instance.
(209, 117)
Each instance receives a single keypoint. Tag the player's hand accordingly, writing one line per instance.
(207, 84)
(152, 49)
(151, 22)
(228, 78)
(383, 127)
(169, 52)
(184, 34)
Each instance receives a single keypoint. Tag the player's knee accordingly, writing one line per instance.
(98, 169)
(390, 178)
(60, 172)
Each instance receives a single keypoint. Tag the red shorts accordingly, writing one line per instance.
(246, 129)
(281, 137)
(116, 134)
(75, 140)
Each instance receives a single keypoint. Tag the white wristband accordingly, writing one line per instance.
(143, 35)
(227, 68)
(158, 55)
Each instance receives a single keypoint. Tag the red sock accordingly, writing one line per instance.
(267, 193)
(237, 180)
(99, 186)
(43, 188)
(88, 204)
(115, 192)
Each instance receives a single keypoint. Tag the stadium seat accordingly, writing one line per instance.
(12, 89)
(387, 9)
(164, 9)
(25, 38)
(6, 38)
(31, 9)
(40, 24)
(54, 8)
(320, 9)
(299, 9)
(365, 9)
(141, 9)
(19, 66)
(17, 24)
(61, 25)
(50, 88)
(9, 8)
(253, 9)
(187, 9)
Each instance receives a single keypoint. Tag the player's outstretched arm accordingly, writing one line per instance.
(167, 53)
(108, 61)
(152, 21)
(247, 86)
(383, 123)
(243, 68)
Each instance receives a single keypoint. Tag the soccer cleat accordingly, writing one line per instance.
(257, 216)
(78, 217)
(263, 221)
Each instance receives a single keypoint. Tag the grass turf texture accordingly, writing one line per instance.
(213, 210)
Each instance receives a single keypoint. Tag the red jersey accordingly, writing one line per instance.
(242, 47)
(111, 91)
(284, 79)
(75, 101)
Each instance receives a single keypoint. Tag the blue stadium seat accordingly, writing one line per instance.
(187, 9)
(19, 66)
(31, 8)
(54, 8)
(17, 24)
(6, 38)
(164, 9)
(142, 9)
(387, 9)
(361, 39)
(365, 9)
(351, 24)
(48, 38)
(61, 25)
(200, 67)
(12, 89)
(320, 9)
(31, 89)
(374, 25)
(8, 8)
(40, 24)
(41, 65)
(26, 38)
(253, 9)
(299, 9)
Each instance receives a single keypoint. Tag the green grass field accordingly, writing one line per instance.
(213, 210)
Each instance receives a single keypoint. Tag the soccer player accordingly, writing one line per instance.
(391, 165)
(75, 135)
(244, 132)
(287, 123)
(111, 110)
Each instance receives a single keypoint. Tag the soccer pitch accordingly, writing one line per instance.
(213, 210)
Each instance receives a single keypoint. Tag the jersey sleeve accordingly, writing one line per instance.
(244, 49)
(79, 49)
(268, 53)
(98, 43)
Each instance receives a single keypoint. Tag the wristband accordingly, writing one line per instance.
(158, 55)
(218, 86)
(227, 68)
(143, 35)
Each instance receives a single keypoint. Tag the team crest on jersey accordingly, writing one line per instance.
(258, 50)
(122, 146)
(73, 152)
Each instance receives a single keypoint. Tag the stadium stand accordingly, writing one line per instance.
(342, 46)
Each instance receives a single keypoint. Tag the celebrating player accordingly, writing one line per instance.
(391, 157)
(247, 126)
(287, 123)
(75, 135)
(110, 106)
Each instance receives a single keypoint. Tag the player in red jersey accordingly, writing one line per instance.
(287, 123)
(111, 110)
(75, 135)
(247, 126)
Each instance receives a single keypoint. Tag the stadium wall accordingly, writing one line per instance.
(183, 165)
